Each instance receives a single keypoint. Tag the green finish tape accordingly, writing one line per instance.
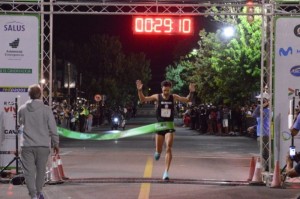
(112, 135)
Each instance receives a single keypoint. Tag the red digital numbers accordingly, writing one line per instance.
(163, 25)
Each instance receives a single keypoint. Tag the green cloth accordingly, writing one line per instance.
(112, 135)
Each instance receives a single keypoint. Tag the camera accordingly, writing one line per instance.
(292, 152)
(295, 156)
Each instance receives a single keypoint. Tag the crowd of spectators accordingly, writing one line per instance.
(82, 116)
(218, 120)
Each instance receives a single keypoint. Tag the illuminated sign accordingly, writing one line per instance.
(288, 1)
(163, 25)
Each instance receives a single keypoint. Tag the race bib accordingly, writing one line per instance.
(165, 112)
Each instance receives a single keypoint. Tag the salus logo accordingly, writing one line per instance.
(14, 26)
(15, 43)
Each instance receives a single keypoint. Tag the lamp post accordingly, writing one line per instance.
(69, 92)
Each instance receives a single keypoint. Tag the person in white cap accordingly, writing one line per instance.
(266, 127)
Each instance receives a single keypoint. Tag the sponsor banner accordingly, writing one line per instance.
(19, 50)
(13, 89)
(19, 68)
(287, 87)
(8, 123)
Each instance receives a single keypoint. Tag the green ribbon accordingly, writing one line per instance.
(112, 135)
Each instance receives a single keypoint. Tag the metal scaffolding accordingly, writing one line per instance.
(48, 8)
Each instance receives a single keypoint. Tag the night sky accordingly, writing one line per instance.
(160, 50)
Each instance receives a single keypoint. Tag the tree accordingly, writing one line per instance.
(105, 68)
(225, 70)
(136, 67)
(237, 61)
(178, 74)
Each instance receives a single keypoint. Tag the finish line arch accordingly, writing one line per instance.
(47, 8)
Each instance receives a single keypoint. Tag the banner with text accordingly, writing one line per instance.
(287, 78)
(19, 68)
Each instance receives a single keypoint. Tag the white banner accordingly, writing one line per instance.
(19, 68)
(287, 83)
(19, 50)
(8, 124)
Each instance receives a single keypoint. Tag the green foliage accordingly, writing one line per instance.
(179, 75)
(226, 70)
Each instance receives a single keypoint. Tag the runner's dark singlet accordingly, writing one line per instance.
(165, 109)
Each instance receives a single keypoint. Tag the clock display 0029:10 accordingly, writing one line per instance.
(163, 25)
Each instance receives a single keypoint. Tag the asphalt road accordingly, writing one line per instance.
(203, 167)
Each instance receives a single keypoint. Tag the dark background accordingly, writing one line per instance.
(162, 50)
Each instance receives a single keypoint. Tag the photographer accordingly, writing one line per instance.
(290, 171)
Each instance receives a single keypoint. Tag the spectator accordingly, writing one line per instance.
(186, 118)
(225, 120)
(265, 128)
(219, 120)
(212, 120)
(89, 122)
(202, 119)
(39, 130)
(193, 115)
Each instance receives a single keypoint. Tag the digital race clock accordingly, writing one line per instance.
(163, 25)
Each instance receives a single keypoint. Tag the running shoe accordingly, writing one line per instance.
(156, 156)
(165, 176)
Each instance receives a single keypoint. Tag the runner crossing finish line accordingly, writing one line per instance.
(112, 135)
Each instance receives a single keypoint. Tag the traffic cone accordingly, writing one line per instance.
(257, 177)
(252, 168)
(54, 173)
(60, 168)
(276, 181)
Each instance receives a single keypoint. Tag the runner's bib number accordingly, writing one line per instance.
(165, 112)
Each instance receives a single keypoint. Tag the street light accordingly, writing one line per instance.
(194, 52)
(228, 32)
(42, 81)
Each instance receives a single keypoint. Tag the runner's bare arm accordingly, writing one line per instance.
(142, 97)
(187, 98)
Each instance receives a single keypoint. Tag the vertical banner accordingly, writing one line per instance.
(19, 68)
(287, 83)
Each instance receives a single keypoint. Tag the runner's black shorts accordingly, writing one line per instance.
(164, 132)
